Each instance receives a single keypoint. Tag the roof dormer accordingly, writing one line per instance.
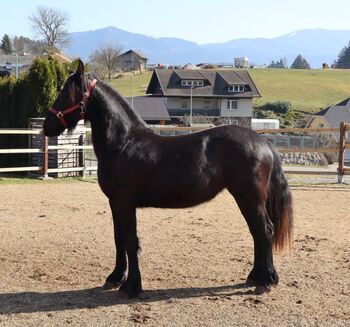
(192, 82)
(234, 88)
(192, 78)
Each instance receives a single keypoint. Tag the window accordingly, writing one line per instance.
(184, 103)
(207, 104)
(186, 82)
(232, 105)
(236, 88)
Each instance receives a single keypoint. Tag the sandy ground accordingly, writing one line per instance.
(57, 247)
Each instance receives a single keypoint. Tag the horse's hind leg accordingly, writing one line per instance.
(251, 199)
(117, 277)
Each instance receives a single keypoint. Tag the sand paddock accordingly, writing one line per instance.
(57, 248)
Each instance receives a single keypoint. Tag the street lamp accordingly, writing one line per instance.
(16, 54)
(191, 106)
(132, 95)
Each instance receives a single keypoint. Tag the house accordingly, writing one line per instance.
(132, 61)
(241, 62)
(331, 117)
(211, 93)
(9, 62)
(151, 109)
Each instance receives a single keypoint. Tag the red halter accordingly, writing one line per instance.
(60, 113)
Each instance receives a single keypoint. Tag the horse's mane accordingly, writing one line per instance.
(115, 102)
(120, 119)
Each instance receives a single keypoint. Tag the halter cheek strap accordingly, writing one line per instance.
(61, 113)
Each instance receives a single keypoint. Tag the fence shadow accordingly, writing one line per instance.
(30, 302)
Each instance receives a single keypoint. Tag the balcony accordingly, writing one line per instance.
(202, 112)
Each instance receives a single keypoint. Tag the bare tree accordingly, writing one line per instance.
(106, 61)
(51, 25)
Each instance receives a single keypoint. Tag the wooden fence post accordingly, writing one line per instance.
(45, 157)
(342, 130)
(81, 155)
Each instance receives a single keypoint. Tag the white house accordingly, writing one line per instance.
(214, 93)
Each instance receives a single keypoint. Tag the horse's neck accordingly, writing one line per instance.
(111, 124)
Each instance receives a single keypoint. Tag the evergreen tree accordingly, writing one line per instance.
(28, 96)
(43, 86)
(32, 93)
(272, 65)
(6, 44)
(344, 58)
(300, 63)
(282, 63)
(60, 72)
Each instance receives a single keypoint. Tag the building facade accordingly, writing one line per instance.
(210, 93)
(133, 61)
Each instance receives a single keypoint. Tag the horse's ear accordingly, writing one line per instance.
(80, 69)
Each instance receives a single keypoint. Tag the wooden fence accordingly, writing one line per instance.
(340, 148)
(44, 170)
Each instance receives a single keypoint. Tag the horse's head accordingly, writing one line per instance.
(68, 108)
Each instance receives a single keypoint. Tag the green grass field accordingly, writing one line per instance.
(308, 90)
(132, 84)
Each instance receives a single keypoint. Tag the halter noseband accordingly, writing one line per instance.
(61, 113)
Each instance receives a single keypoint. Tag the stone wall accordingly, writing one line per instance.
(304, 159)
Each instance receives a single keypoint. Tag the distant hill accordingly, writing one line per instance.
(315, 45)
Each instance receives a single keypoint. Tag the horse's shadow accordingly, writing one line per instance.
(29, 302)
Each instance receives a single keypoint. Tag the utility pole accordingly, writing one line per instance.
(132, 96)
(16, 54)
(191, 106)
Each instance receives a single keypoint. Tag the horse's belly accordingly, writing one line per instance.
(178, 199)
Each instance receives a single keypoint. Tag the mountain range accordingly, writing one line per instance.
(317, 46)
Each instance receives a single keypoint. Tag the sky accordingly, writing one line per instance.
(200, 21)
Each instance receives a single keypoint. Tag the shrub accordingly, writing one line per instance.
(331, 157)
(28, 96)
(278, 107)
(32, 93)
(6, 89)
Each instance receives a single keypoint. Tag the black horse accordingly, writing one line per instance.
(138, 168)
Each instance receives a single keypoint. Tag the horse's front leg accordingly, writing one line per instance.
(126, 242)
(117, 277)
(132, 286)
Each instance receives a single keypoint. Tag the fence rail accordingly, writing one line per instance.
(20, 131)
(45, 170)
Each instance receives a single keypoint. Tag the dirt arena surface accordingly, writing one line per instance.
(56, 249)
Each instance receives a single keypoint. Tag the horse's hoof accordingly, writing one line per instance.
(110, 285)
(259, 290)
(130, 290)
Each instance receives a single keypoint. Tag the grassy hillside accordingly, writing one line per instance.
(309, 90)
(137, 83)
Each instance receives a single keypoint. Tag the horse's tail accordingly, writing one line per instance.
(279, 205)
